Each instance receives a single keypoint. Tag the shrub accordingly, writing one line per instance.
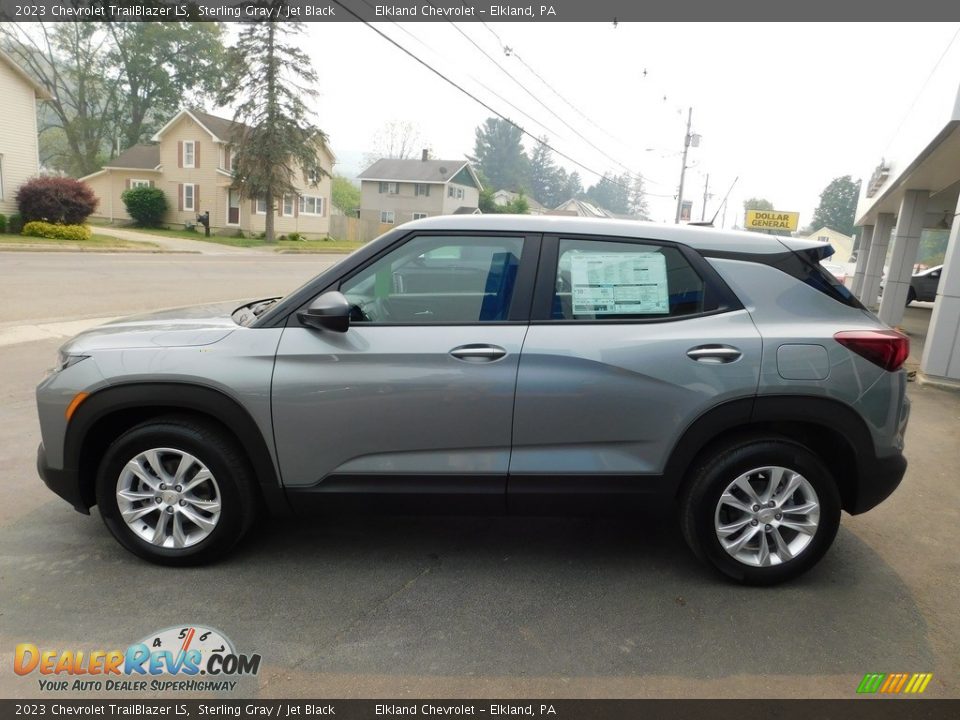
(295, 237)
(146, 205)
(3, 223)
(15, 224)
(56, 200)
(56, 231)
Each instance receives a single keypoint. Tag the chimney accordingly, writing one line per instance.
(426, 155)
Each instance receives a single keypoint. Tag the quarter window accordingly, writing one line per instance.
(433, 280)
(600, 280)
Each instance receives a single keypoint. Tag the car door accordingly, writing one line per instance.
(629, 342)
(416, 397)
(927, 285)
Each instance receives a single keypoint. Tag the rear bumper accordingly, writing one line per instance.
(878, 483)
(65, 483)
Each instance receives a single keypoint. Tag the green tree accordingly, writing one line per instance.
(517, 206)
(544, 176)
(638, 199)
(572, 187)
(499, 154)
(612, 193)
(345, 195)
(111, 84)
(838, 205)
(270, 78)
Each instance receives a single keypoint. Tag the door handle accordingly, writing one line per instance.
(478, 353)
(714, 354)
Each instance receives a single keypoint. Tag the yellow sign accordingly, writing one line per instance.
(772, 220)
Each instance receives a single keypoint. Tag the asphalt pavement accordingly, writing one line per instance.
(475, 607)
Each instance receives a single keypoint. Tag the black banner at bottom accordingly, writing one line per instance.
(853, 709)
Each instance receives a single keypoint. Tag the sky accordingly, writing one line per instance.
(783, 107)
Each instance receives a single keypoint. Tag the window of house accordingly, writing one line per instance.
(261, 206)
(311, 205)
(189, 197)
(390, 188)
(624, 281)
(189, 153)
(288, 204)
(455, 192)
(136, 183)
(436, 280)
(419, 216)
(313, 177)
(387, 216)
(422, 190)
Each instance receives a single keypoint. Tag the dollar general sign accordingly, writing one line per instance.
(772, 220)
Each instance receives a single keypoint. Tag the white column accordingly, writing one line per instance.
(878, 255)
(941, 350)
(863, 252)
(913, 209)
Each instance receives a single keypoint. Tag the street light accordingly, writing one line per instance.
(688, 140)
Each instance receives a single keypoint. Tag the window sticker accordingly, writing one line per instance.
(619, 284)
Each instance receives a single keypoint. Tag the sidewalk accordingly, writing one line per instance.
(172, 244)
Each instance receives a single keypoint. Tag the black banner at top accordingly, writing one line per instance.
(612, 11)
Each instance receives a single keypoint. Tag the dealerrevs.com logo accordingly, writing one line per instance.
(182, 658)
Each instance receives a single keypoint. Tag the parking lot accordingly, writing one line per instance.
(462, 607)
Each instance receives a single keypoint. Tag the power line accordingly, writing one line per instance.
(483, 104)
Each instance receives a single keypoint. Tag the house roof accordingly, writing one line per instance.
(583, 209)
(40, 91)
(139, 157)
(464, 210)
(220, 129)
(415, 170)
(531, 202)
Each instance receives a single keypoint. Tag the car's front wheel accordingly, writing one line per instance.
(761, 510)
(176, 491)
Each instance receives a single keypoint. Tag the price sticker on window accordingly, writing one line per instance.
(619, 284)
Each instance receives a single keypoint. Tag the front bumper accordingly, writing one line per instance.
(878, 483)
(65, 483)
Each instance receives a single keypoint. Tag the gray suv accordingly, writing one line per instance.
(498, 364)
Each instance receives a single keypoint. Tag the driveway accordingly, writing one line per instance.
(174, 244)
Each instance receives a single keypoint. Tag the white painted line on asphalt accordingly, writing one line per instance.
(48, 331)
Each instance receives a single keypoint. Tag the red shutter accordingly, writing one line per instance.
(324, 201)
(196, 198)
(196, 154)
(296, 206)
(180, 196)
(280, 206)
(179, 153)
(226, 159)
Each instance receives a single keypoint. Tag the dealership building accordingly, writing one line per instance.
(909, 197)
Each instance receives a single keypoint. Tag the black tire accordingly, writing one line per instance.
(911, 295)
(725, 463)
(216, 449)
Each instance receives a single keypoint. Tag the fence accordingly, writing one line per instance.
(353, 229)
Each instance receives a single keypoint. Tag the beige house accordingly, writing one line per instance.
(505, 197)
(19, 149)
(397, 191)
(190, 160)
(842, 244)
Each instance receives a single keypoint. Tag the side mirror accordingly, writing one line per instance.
(330, 311)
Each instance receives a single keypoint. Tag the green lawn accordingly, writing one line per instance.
(312, 246)
(97, 242)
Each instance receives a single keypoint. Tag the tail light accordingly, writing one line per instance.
(886, 348)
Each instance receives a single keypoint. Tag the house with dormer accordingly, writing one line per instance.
(191, 160)
(395, 191)
(19, 157)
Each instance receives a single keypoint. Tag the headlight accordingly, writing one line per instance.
(65, 360)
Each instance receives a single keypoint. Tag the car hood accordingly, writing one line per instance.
(180, 327)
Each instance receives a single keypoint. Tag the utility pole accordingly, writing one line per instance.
(683, 166)
(706, 194)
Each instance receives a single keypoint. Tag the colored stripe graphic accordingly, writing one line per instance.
(894, 683)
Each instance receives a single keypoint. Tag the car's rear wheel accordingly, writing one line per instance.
(760, 510)
(176, 491)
